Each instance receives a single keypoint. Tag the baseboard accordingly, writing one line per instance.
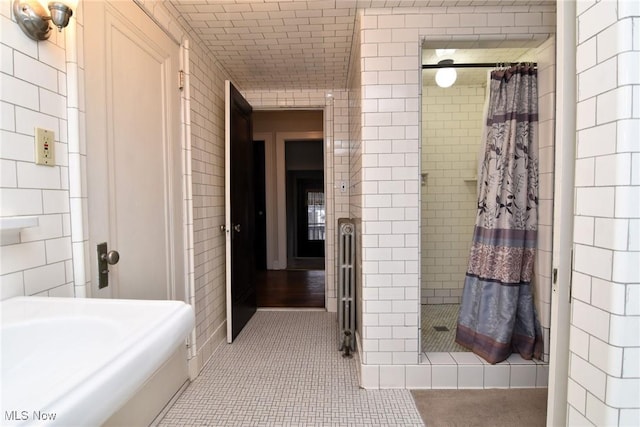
(206, 350)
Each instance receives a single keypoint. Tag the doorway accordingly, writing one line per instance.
(305, 198)
(289, 170)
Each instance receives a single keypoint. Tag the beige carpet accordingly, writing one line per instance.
(480, 408)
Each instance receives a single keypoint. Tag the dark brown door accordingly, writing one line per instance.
(241, 287)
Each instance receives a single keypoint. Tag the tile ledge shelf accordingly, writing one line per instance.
(11, 226)
(18, 222)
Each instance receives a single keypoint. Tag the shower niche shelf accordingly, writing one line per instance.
(470, 179)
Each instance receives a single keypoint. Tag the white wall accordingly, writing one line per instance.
(604, 365)
(34, 79)
(390, 88)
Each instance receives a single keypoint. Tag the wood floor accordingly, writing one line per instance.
(290, 288)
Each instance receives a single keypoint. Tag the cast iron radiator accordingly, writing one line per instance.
(347, 285)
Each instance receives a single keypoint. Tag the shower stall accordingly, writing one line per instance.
(452, 124)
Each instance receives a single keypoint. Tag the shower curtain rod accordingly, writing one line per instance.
(476, 65)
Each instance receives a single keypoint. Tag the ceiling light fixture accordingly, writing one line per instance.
(445, 77)
(32, 18)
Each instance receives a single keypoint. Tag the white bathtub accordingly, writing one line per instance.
(79, 362)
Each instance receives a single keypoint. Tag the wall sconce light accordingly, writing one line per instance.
(34, 21)
(445, 77)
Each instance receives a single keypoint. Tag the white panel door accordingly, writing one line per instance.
(133, 152)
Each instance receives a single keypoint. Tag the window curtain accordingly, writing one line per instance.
(497, 314)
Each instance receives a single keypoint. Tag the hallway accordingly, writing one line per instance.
(285, 369)
(290, 288)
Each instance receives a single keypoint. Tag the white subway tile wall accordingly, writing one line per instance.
(451, 131)
(204, 183)
(603, 383)
(34, 94)
(546, 58)
(384, 84)
(356, 106)
(380, 160)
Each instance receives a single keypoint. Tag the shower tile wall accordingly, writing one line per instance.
(545, 56)
(451, 131)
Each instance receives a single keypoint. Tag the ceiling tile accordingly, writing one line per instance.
(275, 44)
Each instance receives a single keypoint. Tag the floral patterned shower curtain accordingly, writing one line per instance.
(497, 314)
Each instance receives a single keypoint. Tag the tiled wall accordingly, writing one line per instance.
(546, 57)
(355, 165)
(604, 360)
(207, 169)
(35, 94)
(451, 131)
(390, 90)
(341, 175)
(204, 184)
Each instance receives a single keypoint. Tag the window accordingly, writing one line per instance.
(315, 215)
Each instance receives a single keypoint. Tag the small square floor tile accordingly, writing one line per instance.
(284, 369)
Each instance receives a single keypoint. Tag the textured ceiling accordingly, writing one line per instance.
(268, 44)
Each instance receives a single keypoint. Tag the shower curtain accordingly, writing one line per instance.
(497, 315)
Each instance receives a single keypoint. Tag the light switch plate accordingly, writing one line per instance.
(45, 147)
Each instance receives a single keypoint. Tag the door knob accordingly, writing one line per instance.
(111, 257)
(105, 259)
(237, 228)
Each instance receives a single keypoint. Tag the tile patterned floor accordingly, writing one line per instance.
(440, 315)
(284, 369)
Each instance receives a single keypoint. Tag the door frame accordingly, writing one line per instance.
(296, 183)
(562, 263)
(271, 191)
(281, 186)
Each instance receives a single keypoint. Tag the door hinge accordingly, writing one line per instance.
(571, 276)
(181, 79)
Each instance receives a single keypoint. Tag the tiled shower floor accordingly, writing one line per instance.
(453, 366)
(285, 369)
(439, 316)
